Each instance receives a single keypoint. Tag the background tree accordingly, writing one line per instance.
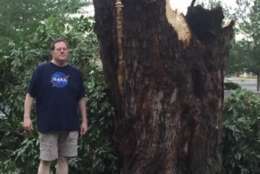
(166, 78)
(238, 61)
(19, 18)
(251, 29)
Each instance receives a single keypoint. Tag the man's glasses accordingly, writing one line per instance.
(61, 49)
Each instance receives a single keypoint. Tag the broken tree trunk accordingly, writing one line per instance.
(165, 71)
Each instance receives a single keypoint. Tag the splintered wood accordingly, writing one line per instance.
(119, 32)
(179, 24)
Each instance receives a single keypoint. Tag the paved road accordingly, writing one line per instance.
(249, 84)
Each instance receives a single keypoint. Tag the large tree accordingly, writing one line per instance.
(165, 72)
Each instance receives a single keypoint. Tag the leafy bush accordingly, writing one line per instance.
(241, 153)
(231, 86)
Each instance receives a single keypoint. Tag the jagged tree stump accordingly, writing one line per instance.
(165, 72)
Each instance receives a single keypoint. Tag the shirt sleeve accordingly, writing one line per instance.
(33, 85)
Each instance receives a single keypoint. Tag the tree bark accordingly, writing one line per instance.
(165, 72)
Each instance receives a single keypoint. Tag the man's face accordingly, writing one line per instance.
(60, 52)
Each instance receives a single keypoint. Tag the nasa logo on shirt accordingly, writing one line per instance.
(59, 79)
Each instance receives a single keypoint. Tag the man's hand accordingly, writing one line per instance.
(27, 124)
(83, 128)
(83, 111)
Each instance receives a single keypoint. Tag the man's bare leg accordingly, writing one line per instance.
(62, 166)
(44, 167)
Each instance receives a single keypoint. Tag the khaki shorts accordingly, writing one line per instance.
(56, 145)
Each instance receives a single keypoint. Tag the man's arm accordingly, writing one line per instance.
(83, 111)
(27, 122)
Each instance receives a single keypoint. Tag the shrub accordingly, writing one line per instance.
(231, 86)
(241, 143)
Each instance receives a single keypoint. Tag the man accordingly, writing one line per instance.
(58, 90)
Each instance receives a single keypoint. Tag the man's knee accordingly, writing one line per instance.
(45, 163)
(44, 167)
(62, 166)
(62, 161)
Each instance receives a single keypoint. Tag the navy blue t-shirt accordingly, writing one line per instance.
(57, 91)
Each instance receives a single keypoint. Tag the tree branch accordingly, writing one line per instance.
(192, 3)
